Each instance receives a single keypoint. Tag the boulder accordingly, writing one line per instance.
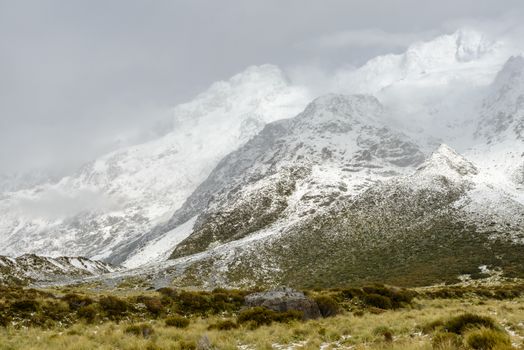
(284, 299)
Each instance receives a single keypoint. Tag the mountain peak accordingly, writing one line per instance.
(445, 159)
(339, 106)
(440, 60)
(464, 45)
(470, 44)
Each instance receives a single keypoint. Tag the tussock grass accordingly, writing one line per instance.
(76, 319)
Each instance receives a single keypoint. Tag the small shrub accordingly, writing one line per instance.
(377, 300)
(350, 293)
(194, 303)
(224, 300)
(56, 310)
(288, 316)
(259, 316)
(140, 330)
(187, 345)
(4, 320)
(205, 303)
(397, 297)
(499, 293)
(113, 306)
(25, 306)
(89, 313)
(168, 292)
(76, 301)
(154, 306)
(224, 325)
(177, 321)
(328, 306)
(487, 339)
(502, 294)
(38, 319)
(460, 324)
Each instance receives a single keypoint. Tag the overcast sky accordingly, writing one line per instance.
(79, 78)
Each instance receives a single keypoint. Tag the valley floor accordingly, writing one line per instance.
(414, 326)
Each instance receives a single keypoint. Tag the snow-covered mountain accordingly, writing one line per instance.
(466, 55)
(337, 147)
(308, 196)
(433, 86)
(117, 198)
(432, 223)
(251, 188)
(333, 196)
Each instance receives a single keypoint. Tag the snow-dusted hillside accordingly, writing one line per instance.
(498, 143)
(116, 199)
(336, 147)
(394, 232)
(30, 268)
(433, 224)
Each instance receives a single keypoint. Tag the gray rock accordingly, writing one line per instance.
(284, 299)
(204, 344)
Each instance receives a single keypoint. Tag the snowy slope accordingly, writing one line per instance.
(115, 199)
(392, 232)
(336, 147)
(30, 268)
(498, 143)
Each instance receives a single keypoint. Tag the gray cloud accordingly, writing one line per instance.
(53, 204)
(80, 78)
(372, 37)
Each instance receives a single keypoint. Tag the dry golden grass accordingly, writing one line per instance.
(399, 329)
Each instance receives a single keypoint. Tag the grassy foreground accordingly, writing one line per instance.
(364, 318)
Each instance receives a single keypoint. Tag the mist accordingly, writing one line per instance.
(83, 78)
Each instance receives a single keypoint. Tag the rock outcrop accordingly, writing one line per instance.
(285, 299)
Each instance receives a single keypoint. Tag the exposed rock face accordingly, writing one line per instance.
(285, 299)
